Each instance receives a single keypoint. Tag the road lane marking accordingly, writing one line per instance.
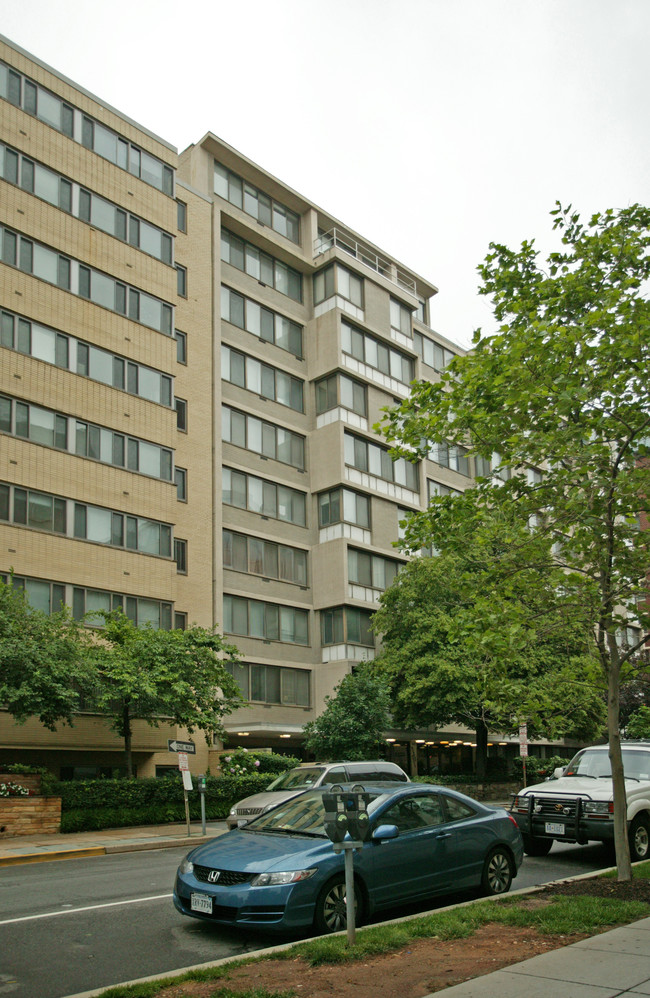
(74, 911)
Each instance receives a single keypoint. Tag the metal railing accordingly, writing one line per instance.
(344, 241)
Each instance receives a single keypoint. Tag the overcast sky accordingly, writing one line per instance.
(431, 127)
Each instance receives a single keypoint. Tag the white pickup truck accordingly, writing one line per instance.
(577, 803)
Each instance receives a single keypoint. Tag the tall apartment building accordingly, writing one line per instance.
(193, 358)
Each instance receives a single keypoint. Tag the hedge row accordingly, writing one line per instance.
(95, 804)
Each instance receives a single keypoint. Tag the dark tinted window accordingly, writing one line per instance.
(457, 809)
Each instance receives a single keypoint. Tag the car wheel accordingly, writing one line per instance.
(331, 906)
(640, 838)
(536, 847)
(497, 871)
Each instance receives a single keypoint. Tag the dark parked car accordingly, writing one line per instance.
(280, 871)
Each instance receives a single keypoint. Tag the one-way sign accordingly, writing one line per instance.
(175, 746)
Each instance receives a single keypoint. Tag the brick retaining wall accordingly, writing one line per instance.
(29, 815)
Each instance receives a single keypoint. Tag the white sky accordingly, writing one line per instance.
(431, 127)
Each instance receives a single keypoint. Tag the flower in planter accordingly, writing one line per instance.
(10, 789)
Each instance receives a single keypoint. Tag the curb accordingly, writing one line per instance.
(45, 857)
(59, 854)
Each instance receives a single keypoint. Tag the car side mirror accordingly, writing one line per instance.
(385, 832)
(558, 772)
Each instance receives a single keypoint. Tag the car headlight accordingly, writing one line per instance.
(602, 809)
(186, 866)
(286, 877)
(233, 810)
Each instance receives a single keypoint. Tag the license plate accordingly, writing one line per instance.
(201, 902)
(242, 821)
(553, 828)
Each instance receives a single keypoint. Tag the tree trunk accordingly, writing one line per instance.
(126, 730)
(481, 749)
(621, 842)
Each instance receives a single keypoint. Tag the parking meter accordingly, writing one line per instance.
(357, 814)
(336, 821)
(202, 784)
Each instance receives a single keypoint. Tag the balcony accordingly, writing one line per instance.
(339, 239)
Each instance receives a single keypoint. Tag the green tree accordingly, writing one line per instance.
(558, 403)
(354, 720)
(441, 670)
(41, 660)
(639, 724)
(156, 676)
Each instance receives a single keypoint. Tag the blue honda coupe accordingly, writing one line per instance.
(280, 872)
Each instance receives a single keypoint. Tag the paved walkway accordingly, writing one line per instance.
(17, 849)
(609, 965)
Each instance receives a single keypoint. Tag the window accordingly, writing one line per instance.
(181, 280)
(267, 211)
(180, 555)
(346, 625)
(337, 280)
(265, 268)
(422, 311)
(180, 621)
(181, 414)
(400, 318)
(374, 460)
(451, 456)
(181, 346)
(411, 813)
(339, 389)
(142, 612)
(53, 347)
(269, 621)
(180, 479)
(263, 438)
(438, 489)
(266, 381)
(377, 354)
(261, 322)
(35, 509)
(181, 216)
(48, 107)
(51, 266)
(433, 354)
(371, 570)
(257, 556)
(42, 426)
(278, 502)
(343, 505)
(105, 526)
(45, 596)
(271, 683)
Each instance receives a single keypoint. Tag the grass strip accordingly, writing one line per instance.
(563, 915)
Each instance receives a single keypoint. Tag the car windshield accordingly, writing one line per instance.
(636, 764)
(303, 778)
(302, 815)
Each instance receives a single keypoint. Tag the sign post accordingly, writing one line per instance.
(523, 747)
(183, 748)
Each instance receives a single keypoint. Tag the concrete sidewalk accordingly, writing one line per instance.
(605, 966)
(18, 849)
(608, 965)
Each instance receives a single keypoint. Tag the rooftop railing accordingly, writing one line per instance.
(342, 240)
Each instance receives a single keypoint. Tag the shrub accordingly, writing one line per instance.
(241, 760)
(11, 789)
(538, 769)
(94, 804)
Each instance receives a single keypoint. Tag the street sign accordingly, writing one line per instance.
(175, 746)
(183, 764)
(523, 740)
(187, 780)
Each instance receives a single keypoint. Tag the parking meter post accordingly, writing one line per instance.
(187, 811)
(349, 895)
(202, 792)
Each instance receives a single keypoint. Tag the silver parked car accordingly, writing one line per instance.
(308, 776)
